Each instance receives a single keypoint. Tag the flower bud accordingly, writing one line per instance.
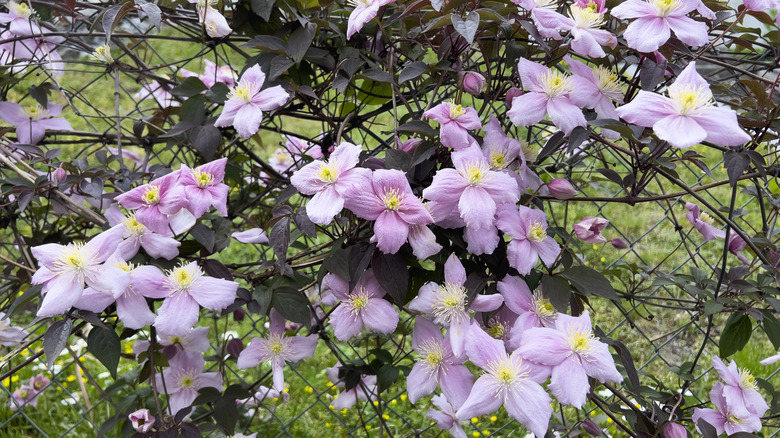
(409, 145)
(561, 189)
(591, 428)
(142, 420)
(589, 229)
(511, 94)
(619, 243)
(238, 315)
(471, 82)
(235, 347)
(58, 176)
(674, 430)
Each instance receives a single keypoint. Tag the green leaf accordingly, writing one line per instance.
(735, 335)
(189, 87)
(386, 376)
(55, 339)
(105, 346)
(590, 282)
(291, 304)
(412, 71)
(226, 414)
(557, 290)
(772, 329)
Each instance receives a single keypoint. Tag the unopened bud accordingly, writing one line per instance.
(58, 176)
(561, 189)
(674, 430)
(235, 347)
(410, 145)
(619, 243)
(511, 94)
(591, 428)
(238, 314)
(471, 82)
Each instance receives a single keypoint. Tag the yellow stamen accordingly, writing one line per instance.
(586, 18)
(392, 199)
(19, 9)
(329, 173)
(456, 111)
(204, 179)
(706, 218)
(688, 99)
(36, 112)
(664, 8)
(608, 83)
(243, 90)
(555, 83)
(152, 195)
(536, 233)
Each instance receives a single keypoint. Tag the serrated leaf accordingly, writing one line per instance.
(105, 346)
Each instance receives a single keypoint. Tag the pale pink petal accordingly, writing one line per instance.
(522, 256)
(61, 294)
(679, 131)
(486, 303)
(632, 9)
(454, 272)
(271, 98)
(528, 109)
(688, 30)
(482, 349)
(380, 316)
(646, 109)
(647, 33)
(423, 302)
(177, 315)
(345, 324)
(150, 281)
(481, 240)
(477, 207)
(94, 301)
(482, 400)
(544, 346)
(159, 246)
(214, 293)
(548, 250)
(247, 120)
(420, 383)
(721, 126)
(569, 382)
(301, 347)
(133, 311)
(324, 206)
(565, 114)
(456, 382)
(531, 73)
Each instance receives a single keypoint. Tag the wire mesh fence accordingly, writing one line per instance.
(132, 110)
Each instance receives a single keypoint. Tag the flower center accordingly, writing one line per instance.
(392, 199)
(151, 196)
(276, 348)
(688, 99)
(329, 173)
(184, 276)
(357, 301)
(456, 111)
(536, 232)
(449, 305)
(507, 375)
(187, 381)
(607, 82)
(103, 54)
(746, 379)
(664, 8)
(543, 308)
(586, 18)
(474, 173)
(593, 6)
(580, 343)
(733, 419)
(706, 218)
(204, 179)
(36, 112)
(242, 91)
(38, 385)
(497, 330)
(23, 393)
(497, 160)
(75, 258)
(133, 227)
(433, 355)
(555, 83)
(21, 10)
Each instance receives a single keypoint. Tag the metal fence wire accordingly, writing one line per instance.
(662, 319)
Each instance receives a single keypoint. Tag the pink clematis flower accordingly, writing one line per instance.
(533, 310)
(423, 241)
(153, 202)
(365, 11)
(507, 155)
(363, 305)
(33, 121)
(437, 366)
(23, 396)
(583, 23)
(184, 290)
(736, 245)
(184, 377)
(471, 187)
(740, 389)
(654, 21)
(142, 420)
(574, 355)
(131, 307)
(213, 75)
(298, 146)
(19, 19)
(445, 417)
(455, 122)
(277, 348)
(10, 335)
(703, 223)
(330, 182)
(212, 20)
(136, 235)
(535, 7)
(388, 199)
(162, 96)
(347, 399)
(596, 88)
(723, 418)
(254, 235)
(246, 103)
(64, 270)
(687, 117)
(548, 93)
(508, 381)
(589, 229)
(203, 187)
(528, 229)
(448, 304)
